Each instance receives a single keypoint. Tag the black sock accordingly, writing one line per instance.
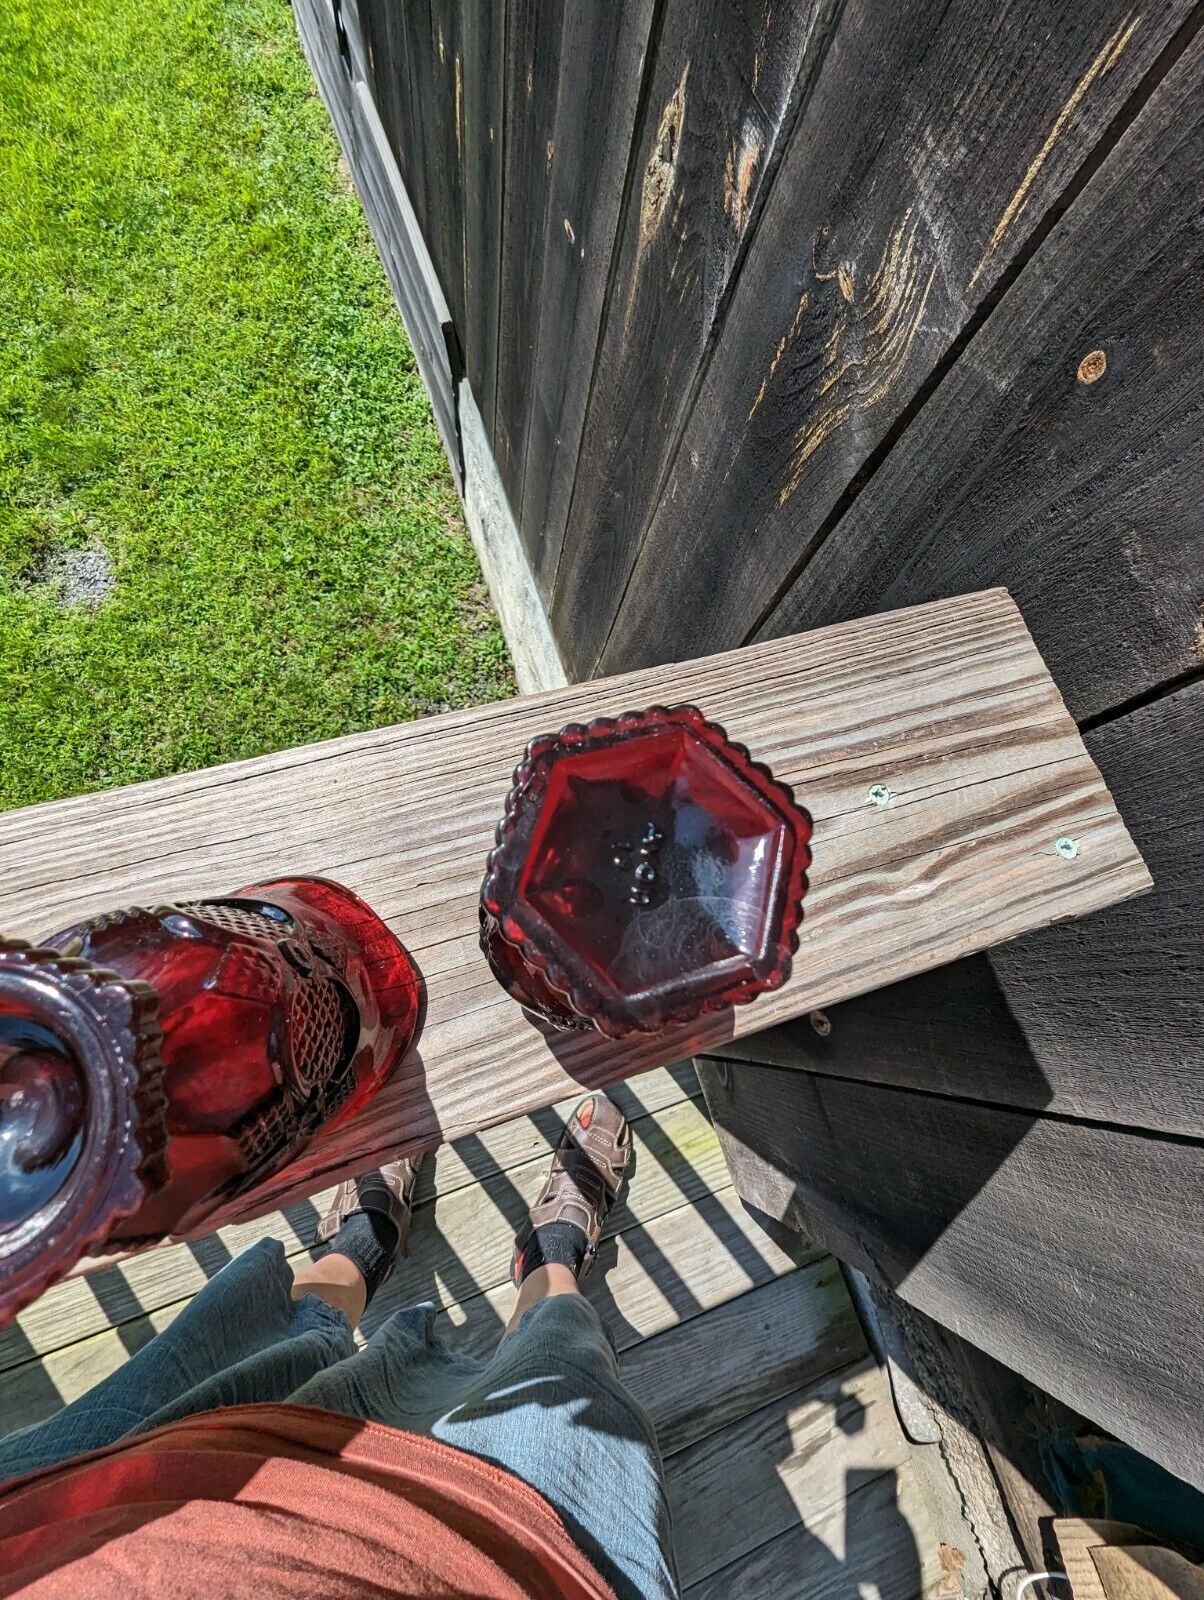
(370, 1240)
(555, 1244)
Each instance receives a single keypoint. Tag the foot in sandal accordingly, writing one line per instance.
(588, 1171)
(369, 1219)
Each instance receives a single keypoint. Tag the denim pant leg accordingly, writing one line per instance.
(242, 1339)
(549, 1406)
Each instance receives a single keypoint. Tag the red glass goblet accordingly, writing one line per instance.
(234, 1028)
(647, 871)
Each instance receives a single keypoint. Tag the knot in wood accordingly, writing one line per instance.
(1093, 365)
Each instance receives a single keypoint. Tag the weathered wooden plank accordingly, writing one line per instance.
(533, 33)
(904, 197)
(480, 63)
(1084, 493)
(79, 1307)
(1116, 1007)
(409, 267)
(1113, 1008)
(950, 705)
(1068, 1250)
(880, 1540)
(443, 105)
(676, 1267)
(945, 1032)
(721, 97)
(749, 1482)
(602, 51)
(392, 38)
(706, 1373)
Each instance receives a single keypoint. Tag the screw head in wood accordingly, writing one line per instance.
(821, 1023)
(879, 795)
(1066, 848)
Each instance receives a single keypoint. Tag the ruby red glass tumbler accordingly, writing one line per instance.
(156, 1063)
(647, 871)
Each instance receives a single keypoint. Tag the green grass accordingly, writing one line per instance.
(202, 372)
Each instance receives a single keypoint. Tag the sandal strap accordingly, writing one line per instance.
(588, 1170)
(388, 1191)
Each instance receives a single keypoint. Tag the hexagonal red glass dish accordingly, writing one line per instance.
(647, 871)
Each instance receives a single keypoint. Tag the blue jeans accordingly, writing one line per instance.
(548, 1406)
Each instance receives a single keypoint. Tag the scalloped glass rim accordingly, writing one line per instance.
(539, 946)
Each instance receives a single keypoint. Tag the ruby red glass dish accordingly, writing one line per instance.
(647, 871)
(154, 1064)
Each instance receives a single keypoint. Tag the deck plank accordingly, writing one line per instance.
(751, 1481)
(700, 1375)
(877, 1539)
(659, 1275)
(948, 704)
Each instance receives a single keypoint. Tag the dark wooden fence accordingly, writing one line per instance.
(782, 311)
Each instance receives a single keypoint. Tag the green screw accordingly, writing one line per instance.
(1066, 848)
(879, 795)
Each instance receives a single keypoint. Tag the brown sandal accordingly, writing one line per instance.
(388, 1190)
(587, 1174)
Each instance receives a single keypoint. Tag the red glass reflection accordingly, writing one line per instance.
(647, 871)
(234, 1029)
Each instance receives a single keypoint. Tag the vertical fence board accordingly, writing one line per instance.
(481, 106)
(1121, 996)
(442, 110)
(720, 101)
(602, 55)
(936, 141)
(533, 30)
(1082, 496)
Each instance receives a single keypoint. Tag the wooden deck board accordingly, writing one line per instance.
(877, 1539)
(948, 704)
(754, 1479)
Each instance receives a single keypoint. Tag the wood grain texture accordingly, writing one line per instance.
(878, 1540)
(934, 142)
(721, 97)
(441, 86)
(481, 65)
(387, 205)
(1084, 495)
(1115, 1014)
(602, 55)
(677, 1267)
(949, 705)
(1067, 1250)
(113, 1295)
(1116, 1006)
(706, 1373)
(946, 1032)
(742, 1486)
(533, 32)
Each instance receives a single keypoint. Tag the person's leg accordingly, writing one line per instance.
(549, 1406)
(544, 1283)
(256, 1332)
(241, 1339)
